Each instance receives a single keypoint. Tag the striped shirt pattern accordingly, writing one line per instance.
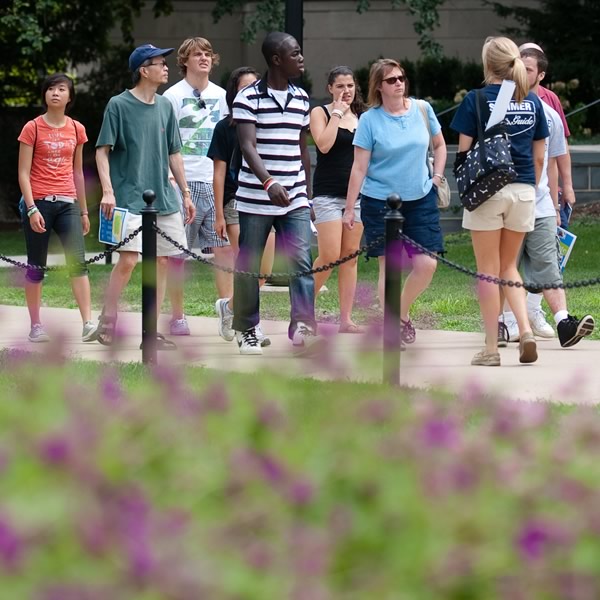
(277, 143)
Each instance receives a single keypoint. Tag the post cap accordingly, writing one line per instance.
(149, 197)
(394, 201)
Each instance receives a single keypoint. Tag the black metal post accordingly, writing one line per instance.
(149, 316)
(393, 286)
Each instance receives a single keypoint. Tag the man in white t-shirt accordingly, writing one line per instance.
(199, 105)
(540, 258)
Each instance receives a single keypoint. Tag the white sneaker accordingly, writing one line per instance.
(248, 342)
(513, 329)
(262, 338)
(37, 334)
(539, 325)
(225, 319)
(305, 340)
(90, 332)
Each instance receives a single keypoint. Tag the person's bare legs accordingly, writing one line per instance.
(486, 246)
(348, 273)
(556, 299)
(119, 278)
(330, 242)
(83, 296)
(175, 285)
(162, 268)
(510, 246)
(33, 298)
(224, 281)
(417, 281)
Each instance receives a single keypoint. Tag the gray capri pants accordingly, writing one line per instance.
(540, 256)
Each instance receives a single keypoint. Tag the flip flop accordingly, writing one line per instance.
(352, 328)
(162, 343)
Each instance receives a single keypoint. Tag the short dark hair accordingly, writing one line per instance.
(55, 79)
(540, 58)
(272, 44)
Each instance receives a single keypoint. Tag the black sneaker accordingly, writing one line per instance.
(571, 330)
(503, 335)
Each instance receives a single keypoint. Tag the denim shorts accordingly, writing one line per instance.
(421, 223)
(331, 208)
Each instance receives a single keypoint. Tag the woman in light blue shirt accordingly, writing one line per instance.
(390, 156)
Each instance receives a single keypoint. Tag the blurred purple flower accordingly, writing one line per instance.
(440, 433)
(272, 470)
(11, 545)
(536, 536)
(258, 555)
(110, 389)
(216, 398)
(270, 414)
(301, 491)
(55, 450)
(376, 411)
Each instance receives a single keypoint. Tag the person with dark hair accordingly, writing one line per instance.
(138, 143)
(539, 254)
(225, 153)
(199, 104)
(566, 191)
(53, 187)
(332, 126)
(391, 147)
(272, 117)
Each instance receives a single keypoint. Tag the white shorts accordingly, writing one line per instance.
(171, 224)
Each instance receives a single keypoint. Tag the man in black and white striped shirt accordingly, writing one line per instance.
(272, 117)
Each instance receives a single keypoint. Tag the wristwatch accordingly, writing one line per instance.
(442, 178)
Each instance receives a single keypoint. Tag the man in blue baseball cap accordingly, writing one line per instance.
(138, 143)
(143, 53)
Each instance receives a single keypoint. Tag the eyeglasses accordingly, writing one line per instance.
(199, 100)
(392, 80)
(162, 64)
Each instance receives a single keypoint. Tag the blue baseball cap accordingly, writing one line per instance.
(143, 53)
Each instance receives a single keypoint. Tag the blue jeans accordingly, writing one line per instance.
(63, 218)
(294, 235)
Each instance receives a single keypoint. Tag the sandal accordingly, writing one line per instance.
(105, 333)
(162, 343)
(350, 328)
(407, 331)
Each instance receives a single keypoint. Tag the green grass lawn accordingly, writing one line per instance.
(450, 303)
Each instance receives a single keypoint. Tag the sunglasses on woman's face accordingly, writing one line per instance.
(392, 80)
(199, 100)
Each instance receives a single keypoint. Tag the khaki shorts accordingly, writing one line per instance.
(232, 217)
(171, 224)
(513, 207)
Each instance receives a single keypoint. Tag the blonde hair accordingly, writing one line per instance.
(190, 45)
(379, 70)
(502, 60)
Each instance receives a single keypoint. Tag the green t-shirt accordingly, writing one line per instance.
(141, 137)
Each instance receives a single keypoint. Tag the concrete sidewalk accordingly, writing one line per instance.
(438, 358)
